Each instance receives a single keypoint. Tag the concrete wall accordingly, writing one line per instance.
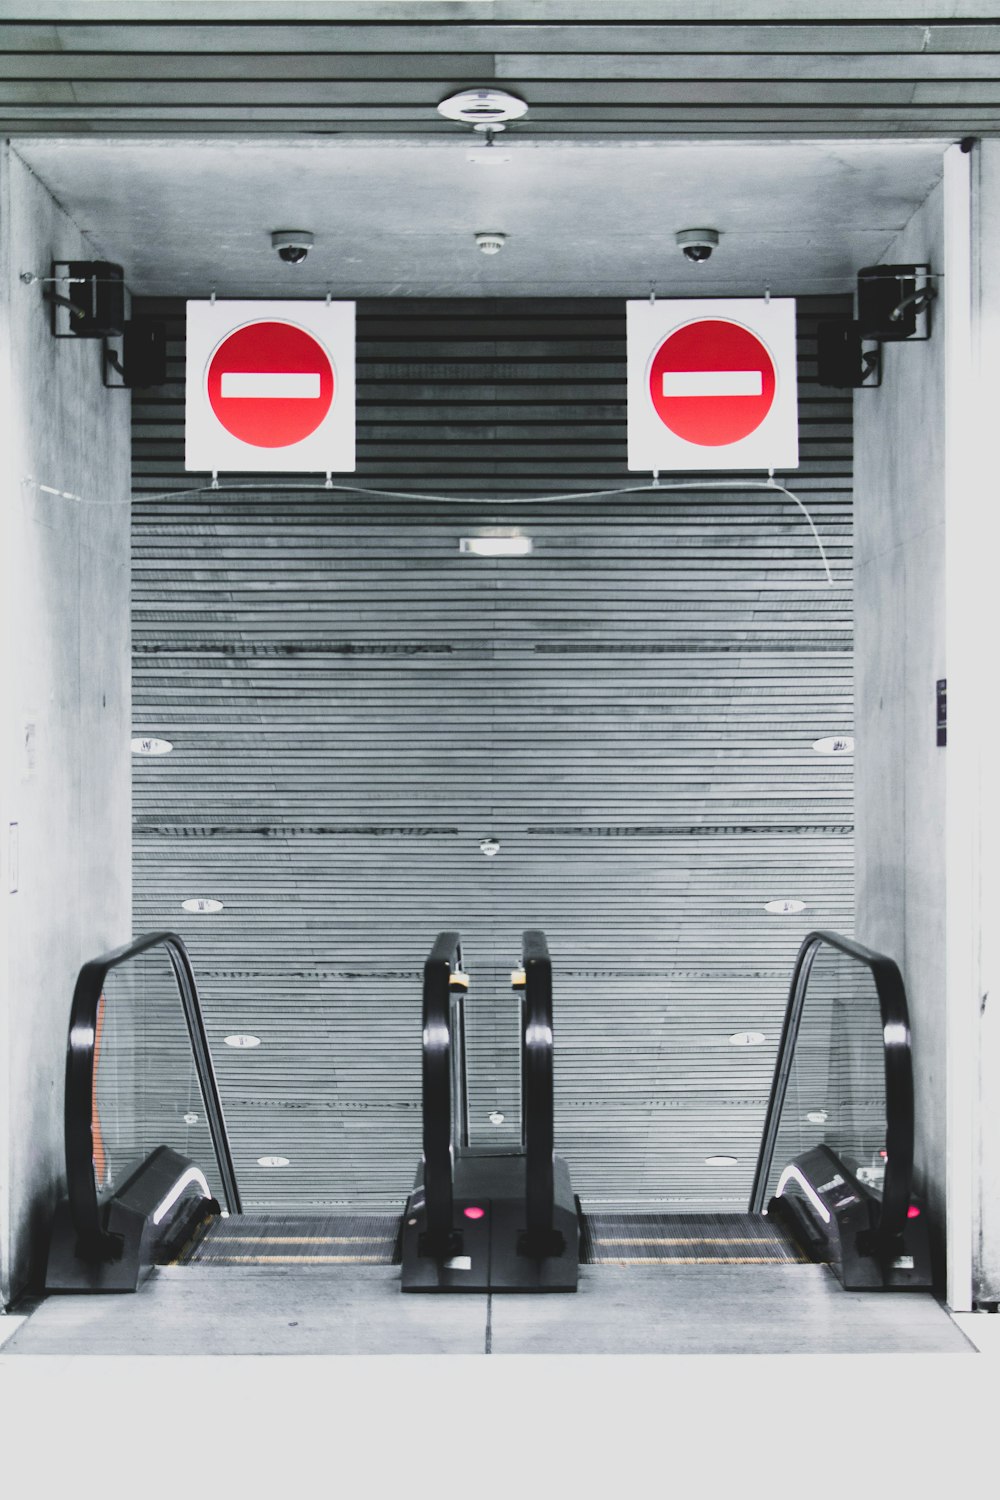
(899, 656)
(64, 770)
(986, 306)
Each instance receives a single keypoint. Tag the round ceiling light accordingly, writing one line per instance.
(201, 903)
(242, 1039)
(817, 1117)
(496, 1118)
(747, 1038)
(721, 1161)
(491, 241)
(834, 744)
(482, 107)
(272, 1161)
(149, 745)
(784, 908)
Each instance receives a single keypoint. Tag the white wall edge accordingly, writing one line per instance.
(8, 497)
(962, 768)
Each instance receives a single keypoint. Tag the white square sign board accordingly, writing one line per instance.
(270, 387)
(712, 384)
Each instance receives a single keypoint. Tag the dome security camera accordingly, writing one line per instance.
(697, 244)
(293, 245)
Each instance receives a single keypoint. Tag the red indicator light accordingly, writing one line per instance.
(474, 1213)
(913, 1212)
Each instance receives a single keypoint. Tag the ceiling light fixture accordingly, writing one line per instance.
(747, 1038)
(491, 241)
(273, 1161)
(242, 1039)
(496, 1118)
(485, 108)
(202, 904)
(496, 546)
(784, 908)
(721, 1161)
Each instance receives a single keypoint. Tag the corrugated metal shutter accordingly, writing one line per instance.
(630, 711)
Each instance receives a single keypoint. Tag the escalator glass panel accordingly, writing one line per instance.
(835, 1093)
(146, 1091)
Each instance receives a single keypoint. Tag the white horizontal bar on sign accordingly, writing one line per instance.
(709, 383)
(266, 384)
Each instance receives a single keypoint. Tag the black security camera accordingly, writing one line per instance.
(293, 245)
(696, 245)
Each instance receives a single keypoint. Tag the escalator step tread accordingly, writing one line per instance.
(287, 1239)
(684, 1239)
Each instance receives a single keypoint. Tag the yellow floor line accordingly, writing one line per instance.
(295, 1239)
(288, 1260)
(695, 1239)
(696, 1260)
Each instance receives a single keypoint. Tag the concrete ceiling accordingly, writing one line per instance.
(398, 218)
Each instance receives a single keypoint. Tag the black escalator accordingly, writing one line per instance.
(150, 1174)
(834, 1170)
(151, 1177)
(488, 1221)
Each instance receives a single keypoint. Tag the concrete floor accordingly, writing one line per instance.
(774, 1309)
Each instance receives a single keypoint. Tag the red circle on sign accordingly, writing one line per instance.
(270, 384)
(712, 382)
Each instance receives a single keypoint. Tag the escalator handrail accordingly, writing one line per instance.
(898, 1065)
(536, 1082)
(92, 1239)
(445, 958)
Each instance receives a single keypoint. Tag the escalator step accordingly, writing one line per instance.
(684, 1239)
(279, 1240)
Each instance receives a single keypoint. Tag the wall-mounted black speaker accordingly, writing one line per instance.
(144, 352)
(881, 290)
(142, 359)
(96, 297)
(840, 359)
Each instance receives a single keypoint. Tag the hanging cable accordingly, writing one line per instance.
(353, 489)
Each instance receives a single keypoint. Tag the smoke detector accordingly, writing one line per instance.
(487, 108)
(491, 242)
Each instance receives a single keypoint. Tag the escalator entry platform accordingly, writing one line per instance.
(490, 1250)
(297, 1240)
(727, 1239)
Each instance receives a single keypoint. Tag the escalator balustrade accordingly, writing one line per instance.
(482, 1221)
(150, 1175)
(147, 1154)
(833, 1180)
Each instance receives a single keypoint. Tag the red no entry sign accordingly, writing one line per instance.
(712, 382)
(270, 384)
